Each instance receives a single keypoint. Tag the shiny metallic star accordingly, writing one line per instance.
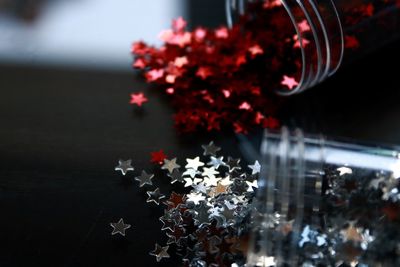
(194, 163)
(209, 172)
(196, 198)
(216, 162)
(160, 252)
(154, 196)
(210, 149)
(170, 165)
(124, 166)
(211, 181)
(144, 179)
(176, 176)
(190, 172)
(226, 181)
(119, 227)
(256, 167)
(233, 164)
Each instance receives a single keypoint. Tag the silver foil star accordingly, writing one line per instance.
(196, 198)
(176, 176)
(170, 165)
(256, 167)
(216, 162)
(119, 227)
(124, 166)
(210, 149)
(154, 196)
(144, 179)
(194, 163)
(160, 252)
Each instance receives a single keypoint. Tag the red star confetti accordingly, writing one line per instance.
(289, 82)
(138, 99)
(227, 78)
(158, 157)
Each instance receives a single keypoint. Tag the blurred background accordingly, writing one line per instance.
(90, 33)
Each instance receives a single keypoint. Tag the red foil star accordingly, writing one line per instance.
(158, 157)
(138, 99)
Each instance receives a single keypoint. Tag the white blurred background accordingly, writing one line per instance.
(84, 33)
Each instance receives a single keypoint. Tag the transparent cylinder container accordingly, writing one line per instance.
(325, 203)
(329, 32)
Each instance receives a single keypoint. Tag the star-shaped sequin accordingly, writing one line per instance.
(216, 162)
(154, 196)
(170, 165)
(138, 99)
(210, 149)
(176, 176)
(290, 82)
(160, 252)
(256, 167)
(194, 163)
(144, 179)
(120, 227)
(124, 166)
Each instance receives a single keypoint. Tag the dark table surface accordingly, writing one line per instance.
(62, 132)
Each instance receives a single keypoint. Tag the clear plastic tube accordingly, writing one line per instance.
(340, 31)
(325, 203)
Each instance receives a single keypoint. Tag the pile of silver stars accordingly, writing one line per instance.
(207, 226)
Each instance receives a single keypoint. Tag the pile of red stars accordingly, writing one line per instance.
(224, 77)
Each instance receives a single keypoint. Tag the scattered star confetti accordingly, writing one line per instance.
(212, 215)
(138, 99)
(120, 227)
(211, 149)
(256, 167)
(124, 166)
(290, 82)
(154, 196)
(144, 179)
(194, 163)
(160, 252)
(170, 165)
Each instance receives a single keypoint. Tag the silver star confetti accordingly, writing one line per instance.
(170, 165)
(194, 163)
(120, 227)
(124, 166)
(144, 179)
(256, 167)
(210, 149)
(160, 252)
(216, 162)
(154, 196)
